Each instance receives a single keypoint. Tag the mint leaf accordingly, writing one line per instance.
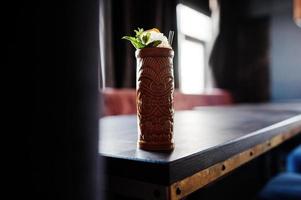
(146, 38)
(138, 32)
(154, 43)
(135, 42)
(142, 39)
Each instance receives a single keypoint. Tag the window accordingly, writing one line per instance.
(194, 32)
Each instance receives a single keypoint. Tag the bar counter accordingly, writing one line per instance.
(210, 142)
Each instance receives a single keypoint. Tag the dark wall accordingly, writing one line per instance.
(285, 54)
(285, 48)
(63, 142)
(239, 58)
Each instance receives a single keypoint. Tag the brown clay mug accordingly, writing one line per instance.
(155, 95)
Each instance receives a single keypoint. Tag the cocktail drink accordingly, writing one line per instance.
(155, 90)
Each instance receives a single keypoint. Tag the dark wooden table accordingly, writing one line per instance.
(209, 143)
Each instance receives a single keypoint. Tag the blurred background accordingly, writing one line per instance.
(249, 49)
(226, 52)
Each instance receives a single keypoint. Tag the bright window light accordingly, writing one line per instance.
(192, 73)
(194, 31)
(194, 23)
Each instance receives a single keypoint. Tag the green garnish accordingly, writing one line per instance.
(141, 40)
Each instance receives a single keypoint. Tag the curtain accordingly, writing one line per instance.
(239, 59)
(121, 18)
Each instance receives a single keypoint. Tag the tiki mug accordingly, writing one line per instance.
(155, 95)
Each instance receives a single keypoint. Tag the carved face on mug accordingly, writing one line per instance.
(155, 90)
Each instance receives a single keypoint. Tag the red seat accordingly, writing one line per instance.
(123, 101)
